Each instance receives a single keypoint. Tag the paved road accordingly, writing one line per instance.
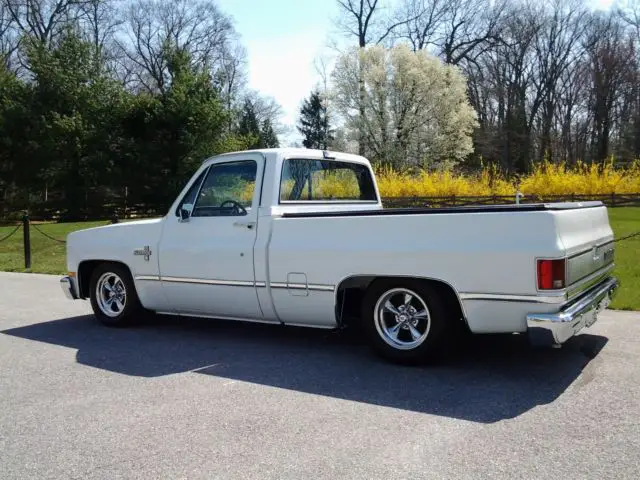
(200, 399)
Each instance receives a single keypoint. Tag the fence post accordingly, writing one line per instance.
(27, 241)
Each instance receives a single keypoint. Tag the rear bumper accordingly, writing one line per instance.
(557, 328)
(68, 288)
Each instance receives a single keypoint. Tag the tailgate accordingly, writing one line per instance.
(587, 238)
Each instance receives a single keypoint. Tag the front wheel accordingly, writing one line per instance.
(113, 295)
(406, 321)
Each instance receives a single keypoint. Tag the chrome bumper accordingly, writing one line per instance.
(66, 283)
(557, 328)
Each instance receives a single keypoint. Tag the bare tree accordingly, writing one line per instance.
(424, 20)
(231, 76)
(629, 12)
(365, 20)
(359, 18)
(100, 21)
(266, 109)
(516, 99)
(197, 27)
(557, 48)
(470, 24)
(8, 36)
(611, 58)
(572, 113)
(43, 20)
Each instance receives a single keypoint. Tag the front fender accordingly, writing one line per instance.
(134, 244)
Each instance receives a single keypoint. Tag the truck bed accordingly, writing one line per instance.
(484, 258)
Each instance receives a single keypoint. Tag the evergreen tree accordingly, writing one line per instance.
(314, 123)
(268, 138)
(250, 126)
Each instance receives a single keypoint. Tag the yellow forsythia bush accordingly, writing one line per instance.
(545, 179)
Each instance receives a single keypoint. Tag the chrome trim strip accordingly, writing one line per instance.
(236, 283)
(514, 298)
(217, 317)
(202, 281)
(302, 286)
(322, 288)
(148, 278)
(223, 317)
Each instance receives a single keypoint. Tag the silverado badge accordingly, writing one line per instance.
(146, 252)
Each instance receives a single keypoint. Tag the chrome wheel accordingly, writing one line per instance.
(111, 294)
(402, 318)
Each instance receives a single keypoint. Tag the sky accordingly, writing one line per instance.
(283, 38)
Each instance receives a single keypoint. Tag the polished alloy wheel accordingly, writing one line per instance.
(111, 294)
(402, 318)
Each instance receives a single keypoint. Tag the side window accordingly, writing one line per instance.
(227, 190)
(190, 197)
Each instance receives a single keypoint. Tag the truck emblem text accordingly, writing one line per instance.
(146, 252)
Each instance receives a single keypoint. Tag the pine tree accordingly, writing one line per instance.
(314, 123)
(268, 138)
(249, 125)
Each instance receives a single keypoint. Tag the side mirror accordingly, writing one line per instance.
(185, 213)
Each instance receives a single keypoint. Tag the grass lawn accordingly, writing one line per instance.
(625, 221)
(48, 256)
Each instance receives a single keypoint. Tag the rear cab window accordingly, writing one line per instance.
(309, 180)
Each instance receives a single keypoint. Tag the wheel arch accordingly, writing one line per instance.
(349, 293)
(86, 269)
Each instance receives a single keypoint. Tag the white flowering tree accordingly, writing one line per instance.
(416, 109)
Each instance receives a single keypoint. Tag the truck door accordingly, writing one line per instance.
(206, 259)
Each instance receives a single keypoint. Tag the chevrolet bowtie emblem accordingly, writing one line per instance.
(146, 252)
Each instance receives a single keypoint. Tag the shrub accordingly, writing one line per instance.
(545, 179)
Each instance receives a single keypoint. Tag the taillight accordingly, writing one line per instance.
(551, 274)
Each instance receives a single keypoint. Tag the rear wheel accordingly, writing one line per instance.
(406, 321)
(113, 295)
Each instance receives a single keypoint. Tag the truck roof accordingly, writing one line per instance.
(285, 152)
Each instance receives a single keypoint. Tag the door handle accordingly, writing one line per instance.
(248, 225)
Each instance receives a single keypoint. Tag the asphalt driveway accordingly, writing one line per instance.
(187, 398)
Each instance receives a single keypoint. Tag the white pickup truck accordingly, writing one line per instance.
(300, 237)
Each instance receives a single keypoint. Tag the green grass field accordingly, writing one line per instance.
(48, 256)
(625, 221)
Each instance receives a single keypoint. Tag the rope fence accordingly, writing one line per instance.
(26, 226)
(47, 235)
(6, 237)
(636, 234)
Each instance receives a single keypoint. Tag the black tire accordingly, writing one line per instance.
(437, 342)
(132, 309)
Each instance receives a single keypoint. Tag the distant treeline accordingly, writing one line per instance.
(97, 101)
